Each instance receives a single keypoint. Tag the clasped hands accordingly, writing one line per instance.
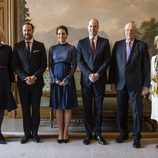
(30, 80)
(93, 77)
(60, 83)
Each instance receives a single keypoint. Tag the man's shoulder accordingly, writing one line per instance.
(140, 42)
(18, 44)
(120, 41)
(102, 38)
(38, 42)
(83, 39)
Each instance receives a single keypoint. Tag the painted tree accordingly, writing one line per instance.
(26, 12)
(147, 31)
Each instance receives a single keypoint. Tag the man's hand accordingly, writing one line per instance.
(93, 77)
(145, 91)
(30, 80)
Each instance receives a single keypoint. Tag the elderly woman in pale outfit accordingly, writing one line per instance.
(154, 84)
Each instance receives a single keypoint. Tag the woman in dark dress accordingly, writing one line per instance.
(62, 65)
(7, 101)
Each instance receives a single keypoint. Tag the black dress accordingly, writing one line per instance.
(6, 77)
(62, 58)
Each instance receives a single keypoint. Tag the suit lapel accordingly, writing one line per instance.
(24, 50)
(33, 47)
(123, 55)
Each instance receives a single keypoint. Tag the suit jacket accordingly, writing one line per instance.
(135, 73)
(34, 65)
(93, 63)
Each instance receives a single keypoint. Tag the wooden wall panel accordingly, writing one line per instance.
(4, 18)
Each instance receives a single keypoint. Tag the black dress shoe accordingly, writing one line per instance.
(156, 146)
(136, 143)
(87, 140)
(24, 139)
(36, 138)
(121, 138)
(2, 139)
(100, 140)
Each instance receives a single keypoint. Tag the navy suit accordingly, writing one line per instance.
(130, 77)
(90, 62)
(30, 95)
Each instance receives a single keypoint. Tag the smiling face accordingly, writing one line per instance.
(27, 32)
(93, 27)
(62, 36)
(130, 31)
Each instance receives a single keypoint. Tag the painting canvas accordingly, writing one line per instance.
(46, 15)
(112, 14)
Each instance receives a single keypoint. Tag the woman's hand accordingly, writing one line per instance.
(58, 82)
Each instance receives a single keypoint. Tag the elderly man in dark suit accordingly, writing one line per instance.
(130, 75)
(29, 60)
(93, 59)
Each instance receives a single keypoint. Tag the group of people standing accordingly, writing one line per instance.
(129, 76)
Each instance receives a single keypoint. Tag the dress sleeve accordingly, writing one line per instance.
(73, 65)
(51, 66)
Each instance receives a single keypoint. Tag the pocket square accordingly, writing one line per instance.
(35, 51)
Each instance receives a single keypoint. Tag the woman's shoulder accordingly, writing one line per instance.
(54, 46)
(72, 47)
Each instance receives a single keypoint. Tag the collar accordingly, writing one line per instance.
(127, 41)
(94, 38)
(30, 41)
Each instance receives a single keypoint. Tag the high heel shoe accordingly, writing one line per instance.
(60, 141)
(66, 140)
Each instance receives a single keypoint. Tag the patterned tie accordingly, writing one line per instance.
(28, 49)
(92, 45)
(128, 50)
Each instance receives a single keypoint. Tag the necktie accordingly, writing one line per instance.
(92, 45)
(28, 49)
(128, 50)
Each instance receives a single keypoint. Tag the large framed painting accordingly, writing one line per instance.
(75, 14)
(46, 15)
(112, 14)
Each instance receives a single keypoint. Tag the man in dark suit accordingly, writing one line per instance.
(93, 60)
(130, 75)
(29, 60)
